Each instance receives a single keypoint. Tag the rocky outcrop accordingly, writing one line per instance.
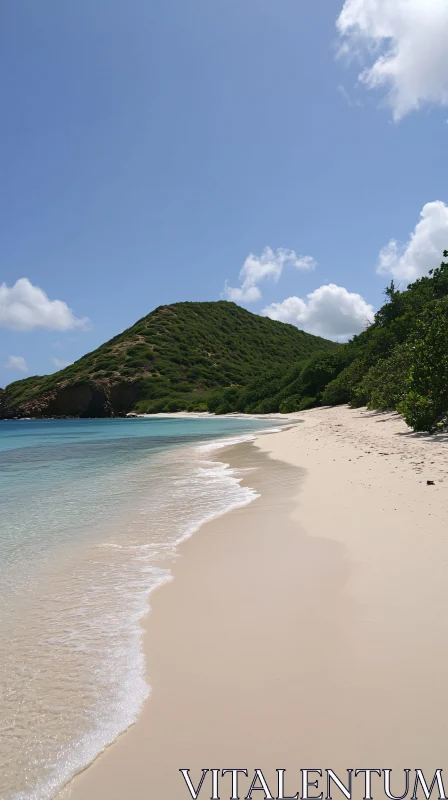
(89, 399)
(123, 396)
(85, 400)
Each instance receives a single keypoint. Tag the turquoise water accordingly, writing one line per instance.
(92, 512)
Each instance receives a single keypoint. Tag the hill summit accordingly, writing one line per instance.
(172, 359)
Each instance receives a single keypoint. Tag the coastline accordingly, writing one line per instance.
(305, 628)
(98, 522)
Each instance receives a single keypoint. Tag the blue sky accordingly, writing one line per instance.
(150, 151)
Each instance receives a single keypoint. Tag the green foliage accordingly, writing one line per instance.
(19, 390)
(418, 411)
(197, 407)
(385, 384)
(319, 371)
(342, 389)
(291, 404)
(399, 362)
(219, 357)
(180, 354)
(306, 403)
(425, 405)
(281, 390)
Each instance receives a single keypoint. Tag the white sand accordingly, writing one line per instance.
(309, 629)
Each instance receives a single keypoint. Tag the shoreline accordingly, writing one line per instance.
(164, 415)
(243, 455)
(319, 590)
(76, 631)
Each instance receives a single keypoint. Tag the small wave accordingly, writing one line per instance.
(218, 444)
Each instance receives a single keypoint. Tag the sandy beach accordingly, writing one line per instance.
(308, 629)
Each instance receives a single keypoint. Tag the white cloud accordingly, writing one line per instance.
(17, 363)
(404, 43)
(267, 266)
(60, 363)
(424, 249)
(25, 307)
(330, 311)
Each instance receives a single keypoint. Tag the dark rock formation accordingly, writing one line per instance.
(85, 400)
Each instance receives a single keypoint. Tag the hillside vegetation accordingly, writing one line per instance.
(172, 359)
(221, 358)
(400, 362)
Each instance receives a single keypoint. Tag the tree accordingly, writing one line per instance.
(426, 403)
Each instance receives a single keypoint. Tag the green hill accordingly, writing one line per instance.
(400, 362)
(175, 358)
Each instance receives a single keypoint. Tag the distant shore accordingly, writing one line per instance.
(307, 628)
(202, 414)
(166, 415)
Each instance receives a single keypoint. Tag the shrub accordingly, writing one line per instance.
(290, 404)
(341, 389)
(223, 408)
(267, 406)
(419, 412)
(425, 405)
(307, 402)
(197, 407)
(175, 405)
(384, 385)
(319, 371)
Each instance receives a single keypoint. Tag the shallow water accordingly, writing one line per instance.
(91, 514)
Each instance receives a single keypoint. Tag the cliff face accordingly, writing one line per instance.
(90, 399)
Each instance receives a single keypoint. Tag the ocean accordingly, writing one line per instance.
(92, 512)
